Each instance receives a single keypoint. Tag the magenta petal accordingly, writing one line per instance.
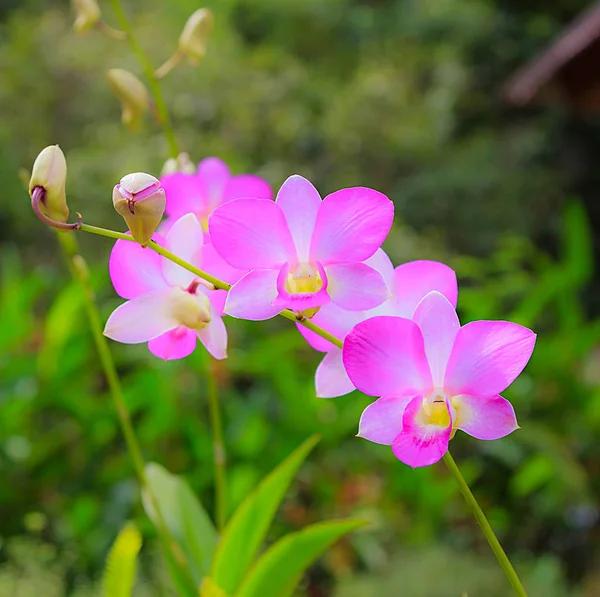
(356, 286)
(252, 296)
(176, 344)
(484, 417)
(185, 240)
(134, 270)
(247, 185)
(335, 320)
(415, 279)
(351, 225)
(381, 421)
(439, 325)
(184, 194)
(217, 299)
(487, 357)
(420, 444)
(214, 336)
(382, 263)
(142, 318)
(211, 262)
(214, 176)
(385, 356)
(251, 234)
(331, 379)
(300, 203)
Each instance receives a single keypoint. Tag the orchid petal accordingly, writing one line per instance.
(185, 240)
(487, 357)
(184, 194)
(415, 279)
(217, 299)
(356, 286)
(335, 320)
(252, 296)
(484, 417)
(300, 301)
(300, 202)
(383, 264)
(210, 261)
(331, 379)
(214, 176)
(381, 421)
(252, 234)
(419, 443)
(176, 344)
(439, 325)
(385, 356)
(350, 226)
(214, 336)
(247, 185)
(134, 270)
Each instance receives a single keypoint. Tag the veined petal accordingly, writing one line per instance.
(381, 421)
(356, 286)
(184, 239)
(415, 279)
(484, 417)
(335, 320)
(214, 336)
(300, 202)
(252, 234)
(439, 325)
(331, 379)
(420, 443)
(134, 270)
(142, 318)
(247, 185)
(176, 344)
(350, 226)
(487, 357)
(252, 296)
(214, 176)
(385, 356)
(184, 194)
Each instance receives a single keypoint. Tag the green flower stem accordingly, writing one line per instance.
(220, 284)
(79, 271)
(219, 455)
(161, 107)
(486, 528)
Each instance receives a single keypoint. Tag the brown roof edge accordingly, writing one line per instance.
(525, 84)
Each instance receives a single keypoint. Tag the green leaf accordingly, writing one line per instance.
(184, 516)
(246, 531)
(119, 574)
(278, 571)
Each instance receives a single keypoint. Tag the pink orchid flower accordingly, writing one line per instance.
(303, 252)
(408, 284)
(212, 185)
(434, 377)
(168, 306)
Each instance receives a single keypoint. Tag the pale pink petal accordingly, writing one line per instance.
(383, 264)
(184, 194)
(385, 356)
(420, 444)
(350, 226)
(134, 270)
(487, 357)
(300, 301)
(335, 320)
(176, 344)
(381, 421)
(439, 324)
(252, 296)
(331, 379)
(356, 286)
(217, 299)
(484, 417)
(415, 279)
(214, 176)
(210, 261)
(300, 202)
(214, 336)
(247, 185)
(251, 234)
(142, 318)
(185, 240)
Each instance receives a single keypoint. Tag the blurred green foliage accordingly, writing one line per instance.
(394, 94)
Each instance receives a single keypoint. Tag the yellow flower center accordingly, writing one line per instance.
(304, 279)
(190, 310)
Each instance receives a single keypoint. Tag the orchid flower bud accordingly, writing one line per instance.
(192, 41)
(87, 15)
(50, 173)
(141, 201)
(132, 94)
